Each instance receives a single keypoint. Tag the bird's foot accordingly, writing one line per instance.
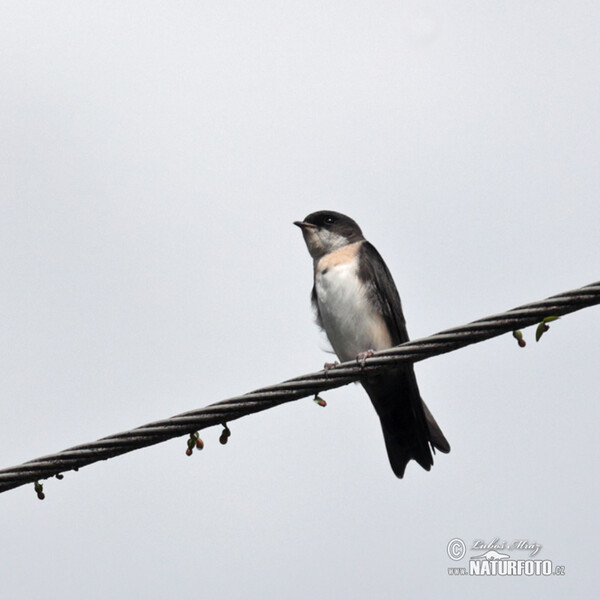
(328, 366)
(361, 357)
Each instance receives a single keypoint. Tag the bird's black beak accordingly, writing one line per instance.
(304, 225)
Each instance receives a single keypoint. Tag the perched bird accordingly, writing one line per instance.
(358, 306)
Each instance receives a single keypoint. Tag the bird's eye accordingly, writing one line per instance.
(329, 220)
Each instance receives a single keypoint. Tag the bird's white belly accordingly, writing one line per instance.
(350, 321)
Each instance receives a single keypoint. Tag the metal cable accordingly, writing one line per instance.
(299, 387)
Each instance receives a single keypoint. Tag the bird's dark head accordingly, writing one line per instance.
(325, 231)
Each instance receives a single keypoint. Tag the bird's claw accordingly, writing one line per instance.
(328, 366)
(361, 357)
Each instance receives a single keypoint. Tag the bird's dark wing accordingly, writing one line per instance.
(315, 305)
(409, 429)
(382, 291)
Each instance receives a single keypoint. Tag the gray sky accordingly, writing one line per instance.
(152, 160)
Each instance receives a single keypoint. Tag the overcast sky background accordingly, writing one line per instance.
(152, 160)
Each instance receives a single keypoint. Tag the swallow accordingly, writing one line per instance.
(358, 306)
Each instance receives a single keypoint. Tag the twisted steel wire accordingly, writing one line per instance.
(298, 387)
